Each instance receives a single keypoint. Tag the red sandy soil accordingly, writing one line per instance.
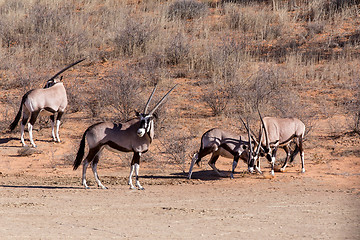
(41, 197)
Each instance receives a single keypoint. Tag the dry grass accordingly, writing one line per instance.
(243, 54)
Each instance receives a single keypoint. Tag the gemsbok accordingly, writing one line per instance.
(280, 132)
(222, 143)
(51, 98)
(134, 136)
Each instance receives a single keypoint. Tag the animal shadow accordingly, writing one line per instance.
(6, 140)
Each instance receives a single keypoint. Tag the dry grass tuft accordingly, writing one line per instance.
(28, 151)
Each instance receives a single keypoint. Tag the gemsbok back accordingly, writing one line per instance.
(51, 98)
(134, 136)
(222, 143)
(280, 132)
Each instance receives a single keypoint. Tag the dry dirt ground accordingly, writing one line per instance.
(41, 196)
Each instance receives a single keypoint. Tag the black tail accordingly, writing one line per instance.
(18, 115)
(80, 153)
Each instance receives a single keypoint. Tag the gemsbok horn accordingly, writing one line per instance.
(280, 132)
(51, 98)
(134, 136)
(221, 143)
(253, 155)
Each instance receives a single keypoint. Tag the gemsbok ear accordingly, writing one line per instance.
(137, 113)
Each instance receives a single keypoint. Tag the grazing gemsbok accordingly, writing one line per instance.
(280, 132)
(221, 143)
(51, 98)
(134, 136)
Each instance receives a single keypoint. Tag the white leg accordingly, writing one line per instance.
(30, 127)
(258, 170)
(235, 163)
(137, 167)
(302, 162)
(22, 135)
(57, 130)
(132, 168)
(94, 167)
(53, 130)
(85, 165)
(195, 157)
(272, 166)
(258, 164)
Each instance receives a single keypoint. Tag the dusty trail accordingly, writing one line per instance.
(289, 206)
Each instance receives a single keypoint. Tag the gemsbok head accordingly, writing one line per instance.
(135, 136)
(51, 98)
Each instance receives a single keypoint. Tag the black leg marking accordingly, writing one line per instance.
(213, 159)
(33, 117)
(136, 158)
(59, 115)
(24, 119)
(205, 151)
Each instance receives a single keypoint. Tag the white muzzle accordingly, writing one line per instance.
(141, 132)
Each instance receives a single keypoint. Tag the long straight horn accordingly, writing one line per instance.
(259, 145)
(148, 101)
(161, 101)
(66, 69)
(263, 126)
(249, 130)
(250, 145)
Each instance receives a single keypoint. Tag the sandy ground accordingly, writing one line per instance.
(41, 197)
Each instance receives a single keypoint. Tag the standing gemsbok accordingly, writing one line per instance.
(225, 144)
(134, 136)
(280, 132)
(51, 98)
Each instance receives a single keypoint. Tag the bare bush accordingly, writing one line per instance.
(217, 97)
(187, 9)
(122, 92)
(220, 61)
(352, 106)
(134, 37)
(325, 9)
(260, 89)
(314, 28)
(176, 145)
(264, 25)
(75, 103)
(178, 50)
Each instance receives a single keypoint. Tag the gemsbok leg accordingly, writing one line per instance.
(94, 169)
(93, 155)
(52, 118)
(25, 118)
(212, 161)
(199, 155)
(301, 150)
(135, 166)
(288, 154)
(31, 123)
